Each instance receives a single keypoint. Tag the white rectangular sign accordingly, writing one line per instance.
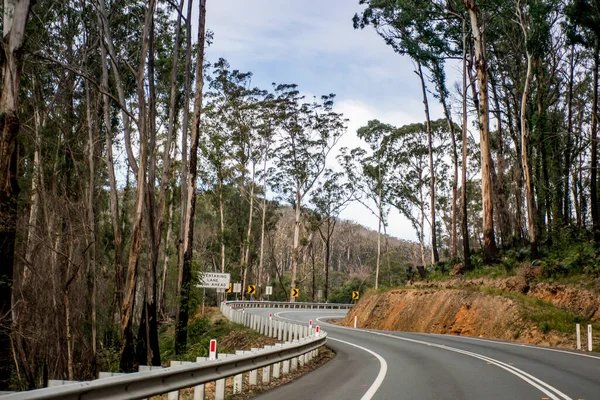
(269, 290)
(237, 288)
(214, 280)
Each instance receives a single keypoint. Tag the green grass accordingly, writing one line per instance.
(546, 316)
(200, 332)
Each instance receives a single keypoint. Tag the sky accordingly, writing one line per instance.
(313, 44)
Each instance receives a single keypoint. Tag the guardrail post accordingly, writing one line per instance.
(279, 331)
(294, 364)
(253, 375)
(174, 395)
(277, 366)
(590, 337)
(220, 383)
(199, 389)
(578, 334)
(238, 380)
(266, 371)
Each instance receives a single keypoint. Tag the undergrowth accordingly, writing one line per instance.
(545, 315)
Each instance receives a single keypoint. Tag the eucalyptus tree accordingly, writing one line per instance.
(426, 31)
(14, 20)
(307, 133)
(190, 209)
(329, 199)
(239, 111)
(412, 163)
(371, 174)
(584, 28)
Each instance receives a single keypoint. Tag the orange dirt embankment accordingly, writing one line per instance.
(570, 297)
(451, 311)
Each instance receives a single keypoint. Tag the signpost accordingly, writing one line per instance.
(251, 289)
(268, 291)
(295, 292)
(237, 288)
(319, 295)
(355, 295)
(212, 280)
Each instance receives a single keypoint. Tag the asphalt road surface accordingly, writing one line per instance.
(393, 365)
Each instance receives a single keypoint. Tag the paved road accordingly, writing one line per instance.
(393, 365)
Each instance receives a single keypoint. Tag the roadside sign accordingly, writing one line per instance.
(230, 289)
(214, 280)
(355, 295)
(319, 294)
(251, 289)
(268, 290)
(295, 292)
(237, 288)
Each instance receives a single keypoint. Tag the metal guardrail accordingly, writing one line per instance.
(285, 304)
(145, 384)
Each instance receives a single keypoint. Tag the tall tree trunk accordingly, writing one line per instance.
(434, 252)
(162, 297)
(148, 351)
(16, 13)
(528, 188)
(222, 223)
(186, 282)
(114, 194)
(594, 160)
(245, 261)
(463, 191)
(502, 208)
(379, 220)
(262, 227)
(296, 243)
(184, 152)
(127, 340)
(91, 217)
(568, 149)
(490, 252)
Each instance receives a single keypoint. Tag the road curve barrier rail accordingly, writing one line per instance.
(298, 345)
(287, 304)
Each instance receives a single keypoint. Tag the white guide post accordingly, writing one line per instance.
(578, 334)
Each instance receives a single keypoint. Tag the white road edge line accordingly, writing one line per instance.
(545, 388)
(383, 364)
(542, 386)
(382, 369)
(516, 344)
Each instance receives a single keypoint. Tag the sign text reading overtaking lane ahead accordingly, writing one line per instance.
(214, 280)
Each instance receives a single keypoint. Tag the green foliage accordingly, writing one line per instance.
(576, 258)
(343, 293)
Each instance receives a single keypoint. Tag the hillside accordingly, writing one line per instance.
(546, 314)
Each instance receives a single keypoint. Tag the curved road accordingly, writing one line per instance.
(394, 365)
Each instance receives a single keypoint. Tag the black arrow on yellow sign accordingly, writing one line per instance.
(295, 292)
(251, 289)
(355, 295)
(230, 290)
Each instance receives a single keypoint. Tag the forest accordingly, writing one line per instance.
(130, 164)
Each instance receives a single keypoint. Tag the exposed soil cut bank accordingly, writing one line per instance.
(585, 302)
(448, 311)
